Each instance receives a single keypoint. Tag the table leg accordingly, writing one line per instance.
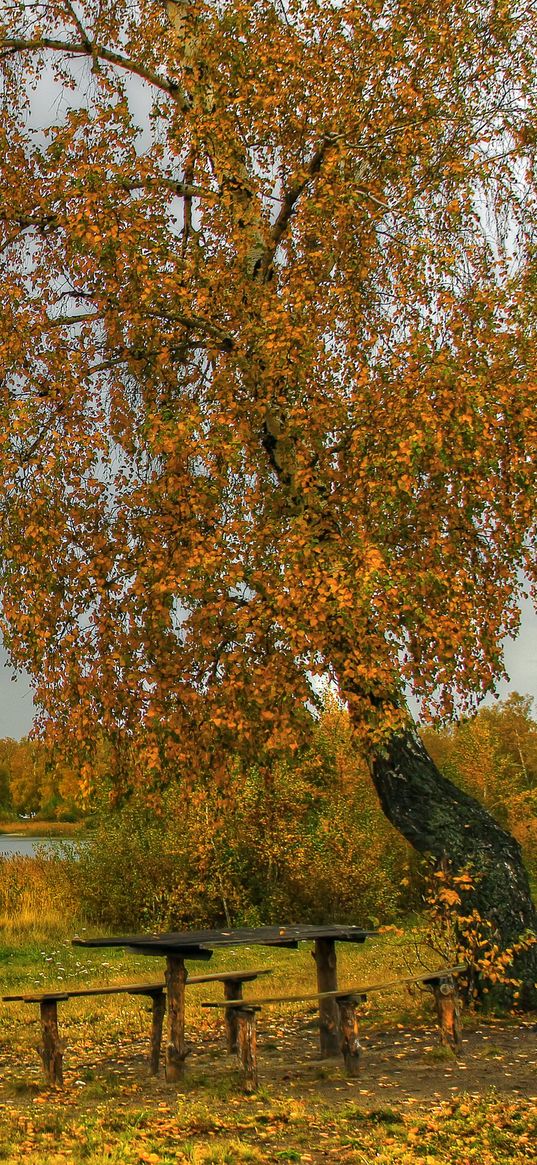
(247, 1045)
(158, 1001)
(325, 959)
(232, 990)
(175, 984)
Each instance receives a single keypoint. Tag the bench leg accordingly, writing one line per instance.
(158, 1000)
(326, 961)
(51, 1047)
(247, 1045)
(176, 1052)
(448, 1012)
(350, 1043)
(232, 990)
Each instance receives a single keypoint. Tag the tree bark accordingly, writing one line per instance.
(158, 1008)
(447, 1012)
(349, 1024)
(439, 819)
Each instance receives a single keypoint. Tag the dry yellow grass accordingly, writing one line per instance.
(36, 898)
(33, 827)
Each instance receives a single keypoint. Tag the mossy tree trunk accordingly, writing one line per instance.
(441, 820)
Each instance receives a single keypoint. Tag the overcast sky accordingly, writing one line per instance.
(16, 707)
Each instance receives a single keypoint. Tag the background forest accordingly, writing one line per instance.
(304, 839)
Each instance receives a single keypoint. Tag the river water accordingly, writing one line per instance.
(13, 843)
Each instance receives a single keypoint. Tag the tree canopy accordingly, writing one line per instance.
(267, 359)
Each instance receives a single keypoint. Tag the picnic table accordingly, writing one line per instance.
(178, 946)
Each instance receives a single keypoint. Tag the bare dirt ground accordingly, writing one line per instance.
(399, 1065)
(411, 1100)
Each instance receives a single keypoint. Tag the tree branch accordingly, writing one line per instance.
(66, 321)
(12, 45)
(197, 323)
(293, 193)
(181, 189)
(28, 220)
(76, 21)
(262, 268)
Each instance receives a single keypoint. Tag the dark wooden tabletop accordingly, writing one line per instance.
(199, 943)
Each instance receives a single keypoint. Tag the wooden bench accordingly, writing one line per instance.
(442, 984)
(52, 1047)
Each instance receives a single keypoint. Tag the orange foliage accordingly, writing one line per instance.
(460, 935)
(267, 362)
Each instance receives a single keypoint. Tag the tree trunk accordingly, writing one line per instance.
(439, 819)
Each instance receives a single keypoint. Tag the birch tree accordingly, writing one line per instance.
(267, 355)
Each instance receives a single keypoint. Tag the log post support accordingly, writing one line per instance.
(325, 958)
(247, 1045)
(350, 1044)
(51, 1047)
(447, 1011)
(232, 990)
(176, 1052)
(158, 1000)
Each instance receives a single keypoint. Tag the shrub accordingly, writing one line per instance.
(306, 840)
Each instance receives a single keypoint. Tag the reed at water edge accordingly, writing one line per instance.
(37, 898)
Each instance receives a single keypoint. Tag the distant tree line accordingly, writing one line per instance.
(31, 784)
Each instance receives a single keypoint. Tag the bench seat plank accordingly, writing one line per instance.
(427, 977)
(134, 988)
(78, 992)
(348, 1003)
(229, 976)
